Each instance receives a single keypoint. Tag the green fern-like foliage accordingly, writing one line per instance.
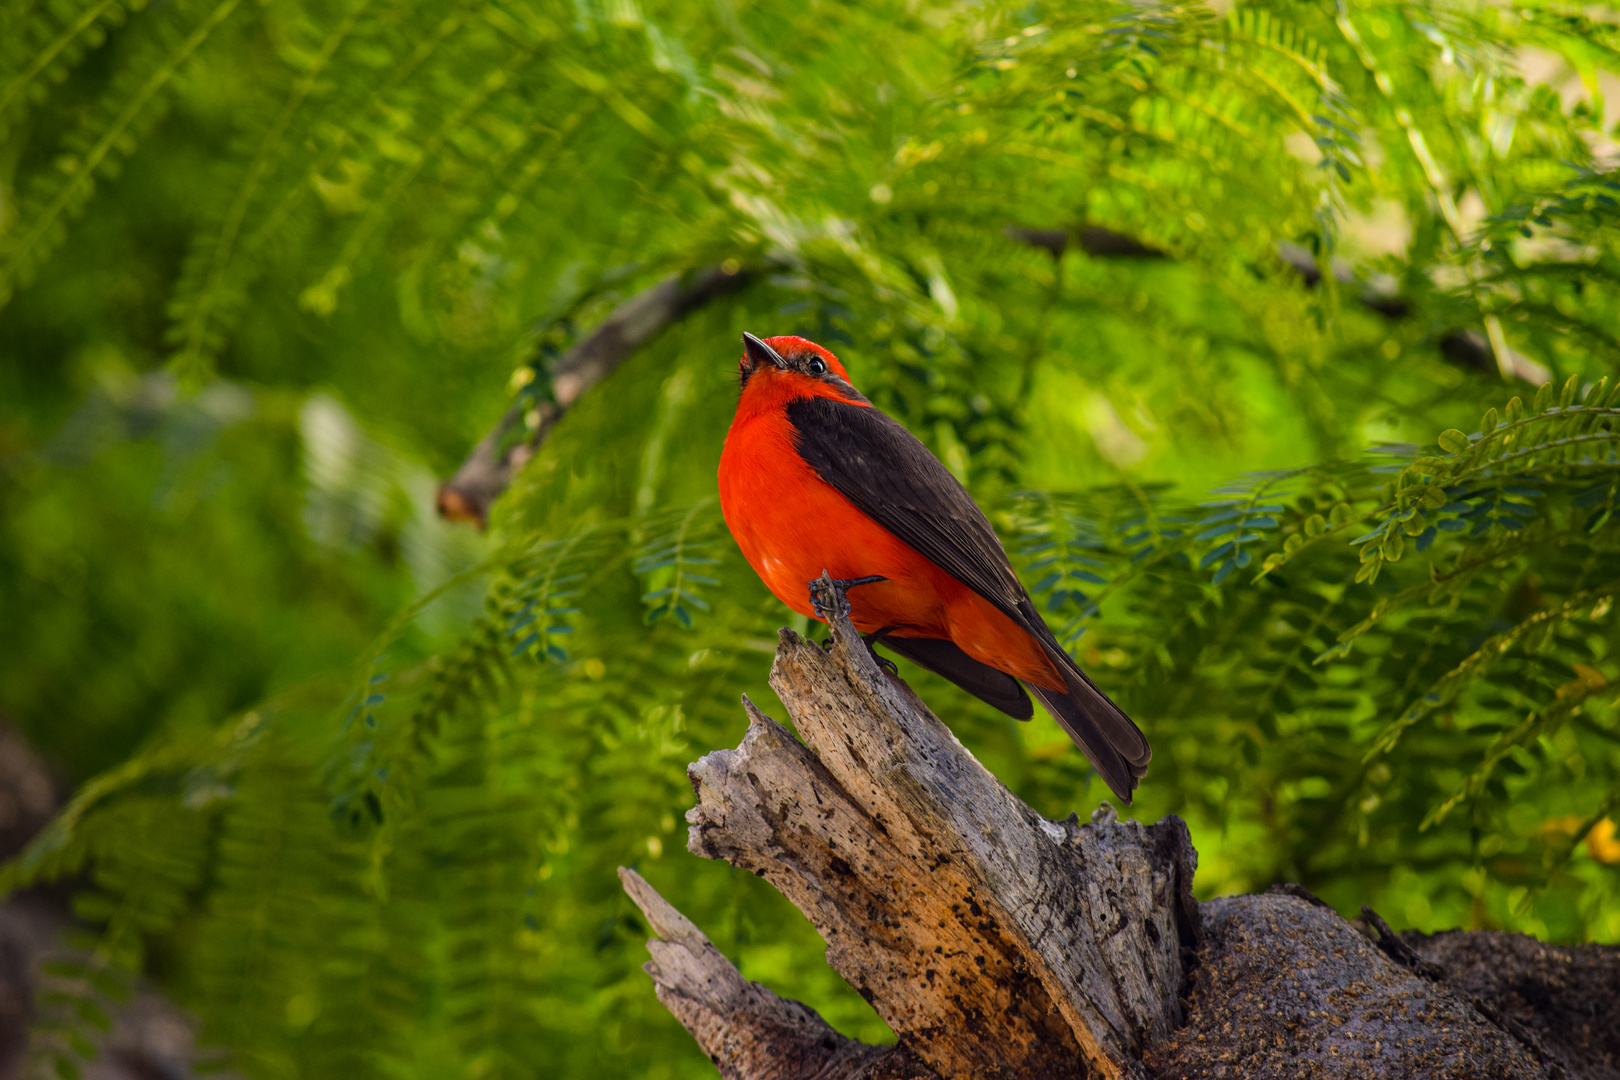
(1396, 701)
(1316, 473)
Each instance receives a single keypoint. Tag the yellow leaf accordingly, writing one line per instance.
(1560, 826)
(1586, 681)
(1602, 844)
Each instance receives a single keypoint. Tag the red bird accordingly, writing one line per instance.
(814, 478)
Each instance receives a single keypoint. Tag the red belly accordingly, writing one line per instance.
(791, 526)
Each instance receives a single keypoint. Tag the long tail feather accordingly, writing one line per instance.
(1118, 773)
(1109, 738)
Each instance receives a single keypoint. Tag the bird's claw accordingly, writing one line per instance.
(871, 647)
(827, 597)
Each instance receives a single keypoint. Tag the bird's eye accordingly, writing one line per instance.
(816, 367)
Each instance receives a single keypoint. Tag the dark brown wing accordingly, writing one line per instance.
(890, 476)
(881, 467)
(990, 685)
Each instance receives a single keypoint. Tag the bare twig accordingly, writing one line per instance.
(468, 495)
(747, 1031)
(1461, 347)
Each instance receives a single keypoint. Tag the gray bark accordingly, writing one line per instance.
(996, 943)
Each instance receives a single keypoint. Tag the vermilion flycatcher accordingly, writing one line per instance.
(814, 478)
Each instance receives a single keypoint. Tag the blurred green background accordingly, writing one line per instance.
(1278, 339)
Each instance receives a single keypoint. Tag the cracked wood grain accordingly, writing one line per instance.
(994, 942)
(999, 944)
(747, 1031)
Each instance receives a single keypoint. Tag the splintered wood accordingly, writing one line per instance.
(994, 942)
(999, 944)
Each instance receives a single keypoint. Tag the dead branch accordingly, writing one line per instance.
(996, 943)
(468, 495)
(488, 470)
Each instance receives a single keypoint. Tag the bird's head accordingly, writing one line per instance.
(789, 367)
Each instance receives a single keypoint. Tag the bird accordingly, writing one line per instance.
(813, 478)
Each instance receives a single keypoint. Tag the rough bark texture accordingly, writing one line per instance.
(1287, 989)
(999, 944)
(1564, 998)
(746, 1030)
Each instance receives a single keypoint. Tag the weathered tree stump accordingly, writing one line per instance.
(996, 943)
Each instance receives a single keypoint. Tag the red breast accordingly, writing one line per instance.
(792, 526)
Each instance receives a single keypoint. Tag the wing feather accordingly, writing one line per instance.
(988, 684)
(891, 477)
(885, 471)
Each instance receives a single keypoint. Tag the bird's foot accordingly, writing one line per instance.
(827, 598)
(871, 646)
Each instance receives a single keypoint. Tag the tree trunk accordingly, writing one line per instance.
(996, 943)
